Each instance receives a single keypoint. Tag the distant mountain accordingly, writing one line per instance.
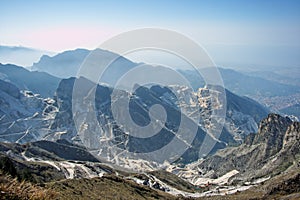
(292, 110)
(22, 56)
(244, 85)
(276, 72)
(278, 92)
(67, 64)
(62, 65)
(276, 77)
(37, 82)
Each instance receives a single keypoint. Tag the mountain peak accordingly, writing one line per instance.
(271, 131)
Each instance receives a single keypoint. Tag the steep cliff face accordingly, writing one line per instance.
(292, 136)
(271, 132)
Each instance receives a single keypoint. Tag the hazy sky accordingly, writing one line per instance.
(247, 32)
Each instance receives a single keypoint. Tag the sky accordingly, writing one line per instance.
(234, 32)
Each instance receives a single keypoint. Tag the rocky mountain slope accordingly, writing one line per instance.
(51, 150)
(140, 103)
(58, 165)
(240, 120)
(24, 116)
(27, 117)
(274, 149)
(62, 168)
(44, 140)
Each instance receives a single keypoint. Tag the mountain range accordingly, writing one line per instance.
(49, 139)
(35, 118)
(269, 88)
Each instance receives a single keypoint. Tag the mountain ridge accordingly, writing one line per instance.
(38, 82)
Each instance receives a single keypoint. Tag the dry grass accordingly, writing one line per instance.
(11, 188)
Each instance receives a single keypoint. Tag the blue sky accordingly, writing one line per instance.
(232, 31)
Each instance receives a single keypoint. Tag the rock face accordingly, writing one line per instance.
(27, 117)
(23, 116)
(107, 129)
(242, 114)
(271, 132)
(272, 150)
(239, 122)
